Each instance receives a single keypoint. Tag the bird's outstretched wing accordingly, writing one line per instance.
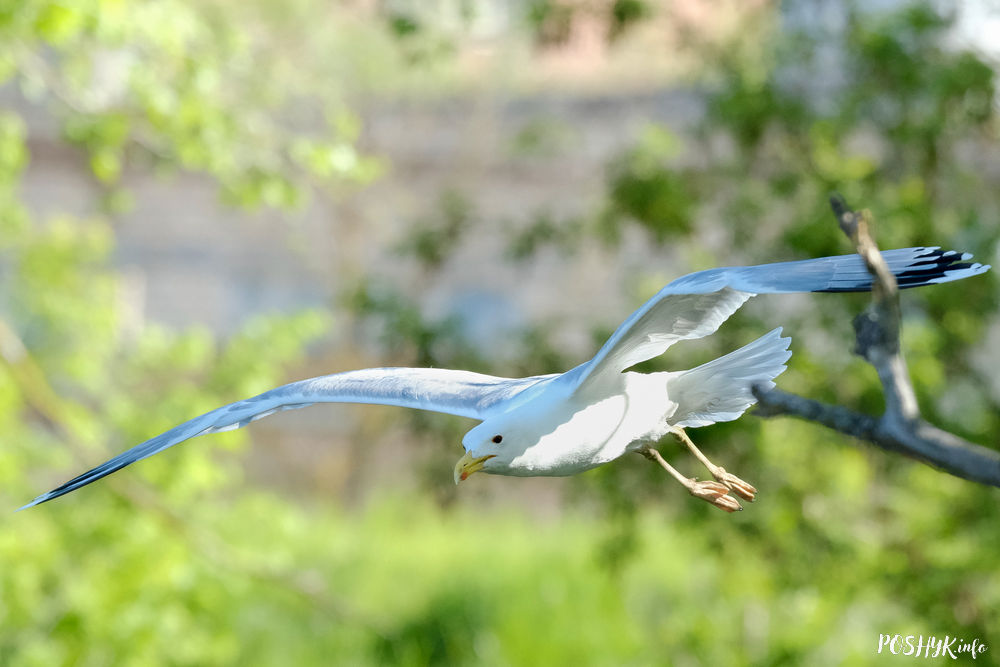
(696, 305)
(436, 389)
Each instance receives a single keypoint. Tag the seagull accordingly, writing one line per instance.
(564, 424)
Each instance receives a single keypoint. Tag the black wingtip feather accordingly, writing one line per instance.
(86, 478)
(927, 266)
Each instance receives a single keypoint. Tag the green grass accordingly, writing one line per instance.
(93, 581)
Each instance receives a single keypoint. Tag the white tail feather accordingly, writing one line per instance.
(720, 390)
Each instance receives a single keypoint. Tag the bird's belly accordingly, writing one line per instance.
(586, 439)
(552, 467)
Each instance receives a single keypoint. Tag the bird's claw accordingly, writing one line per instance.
(716, 493)
(743, 489)
(731, 482)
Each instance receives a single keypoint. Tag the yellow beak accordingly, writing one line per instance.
(469, 464)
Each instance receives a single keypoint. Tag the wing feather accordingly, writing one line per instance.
(695, 305)
(436, 389)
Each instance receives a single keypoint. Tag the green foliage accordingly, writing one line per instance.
(179, 563)
(125, 80)
(543, 137)
(846, 540)
(154, 584)
(644, 188)
(625, 14)
(551, 21)
(406, 330)
(431, 242)
(544, 230)
(403, 583)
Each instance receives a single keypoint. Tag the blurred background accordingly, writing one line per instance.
(202, 199)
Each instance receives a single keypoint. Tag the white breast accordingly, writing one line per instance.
(649, 412)
(587, 435)
(575, 440)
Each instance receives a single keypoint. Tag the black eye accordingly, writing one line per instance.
(498, 439)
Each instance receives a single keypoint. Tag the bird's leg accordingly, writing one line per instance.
(714, 492)
(743, 489)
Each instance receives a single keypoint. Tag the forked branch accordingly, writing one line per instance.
(900, 429)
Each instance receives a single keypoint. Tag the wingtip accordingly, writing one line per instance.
(958, 273)
(44, 498)
(40, 499)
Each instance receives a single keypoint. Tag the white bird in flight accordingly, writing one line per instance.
(563, 424)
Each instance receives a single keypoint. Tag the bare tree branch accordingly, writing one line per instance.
(900, 429)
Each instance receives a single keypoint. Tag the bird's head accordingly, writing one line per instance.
(491, 447)
(498, 445)
(546, 436)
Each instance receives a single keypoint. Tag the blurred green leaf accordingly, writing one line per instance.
(178, 561)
